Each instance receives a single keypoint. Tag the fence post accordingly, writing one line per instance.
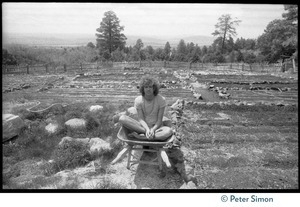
(80, 66)
(27, 69)
(65, 67)
(46, 66)
(294, 65)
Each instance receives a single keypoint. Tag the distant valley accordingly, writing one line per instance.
(74, 40)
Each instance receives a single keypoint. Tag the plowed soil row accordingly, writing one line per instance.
(227, 149)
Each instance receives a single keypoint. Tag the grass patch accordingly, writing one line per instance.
(36, 183)
(107, 183)
(71, 154)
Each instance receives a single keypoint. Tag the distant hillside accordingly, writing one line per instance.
(74, 40)
(161, 42)
(64, 40)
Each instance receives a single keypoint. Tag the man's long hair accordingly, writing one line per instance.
(147, 80)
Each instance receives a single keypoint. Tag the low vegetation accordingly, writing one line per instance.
(35, 143)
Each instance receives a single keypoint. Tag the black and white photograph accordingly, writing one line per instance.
(150, 97)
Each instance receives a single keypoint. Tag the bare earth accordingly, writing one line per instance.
(240, 147)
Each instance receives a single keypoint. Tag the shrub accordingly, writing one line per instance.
(72, 115)
(8, 150)
(33, 134)
(36, 142)
(91, 121)
(71, 154)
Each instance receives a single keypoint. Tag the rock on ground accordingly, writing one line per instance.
(98, 146)
(96, 108)
(51, 128)
(12, 126)
(76, 123)
(189, 185)
(83, 140)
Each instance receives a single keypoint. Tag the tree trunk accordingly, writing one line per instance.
(223, 41)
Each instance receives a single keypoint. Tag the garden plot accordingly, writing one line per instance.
(265, 96)
(235, 147)
(254, 88)
(243, 149)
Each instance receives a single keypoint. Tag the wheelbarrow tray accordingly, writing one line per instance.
(132, 141)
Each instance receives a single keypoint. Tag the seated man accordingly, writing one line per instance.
(150, 107)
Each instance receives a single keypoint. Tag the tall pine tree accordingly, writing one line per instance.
(109, 36)
(225, 28)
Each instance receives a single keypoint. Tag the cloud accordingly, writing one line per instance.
(138, 18)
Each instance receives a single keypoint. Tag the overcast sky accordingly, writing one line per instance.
(168, 19)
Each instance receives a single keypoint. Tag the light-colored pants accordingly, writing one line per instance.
(132, 125)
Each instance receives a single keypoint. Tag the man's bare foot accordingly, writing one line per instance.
(137, 136)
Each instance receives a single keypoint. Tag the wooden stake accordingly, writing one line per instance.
(121, 155)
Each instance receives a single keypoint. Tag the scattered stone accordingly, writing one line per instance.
(250, 103)
(222, 95)
(275, 89)
(178, 105)
(279, 104)
(189, 185)
(76, 123)
(51, 128)
(223, 116)
(25, 85)
(198, 96)
(96, 108)
(12, 125)
(98, 146)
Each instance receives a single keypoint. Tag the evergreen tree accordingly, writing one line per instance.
(109, 36)
(149, 52)
(159, 54)
(181, 51)
(7, 58)
(291, 17)
(270, 43)
(137, 49)
(225, 28)
(167, 51)
(204, 50)
(90, 45)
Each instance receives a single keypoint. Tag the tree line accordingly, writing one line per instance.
(279, 41)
